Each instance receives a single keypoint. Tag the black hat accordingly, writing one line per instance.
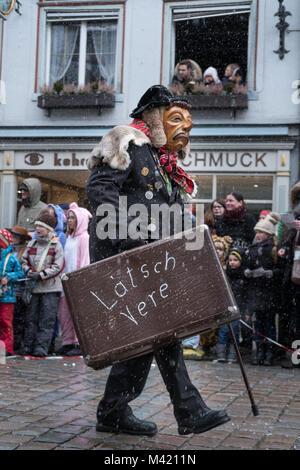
(23, 186)
(155, 96)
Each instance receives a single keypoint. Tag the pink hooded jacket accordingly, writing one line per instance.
(83, 216)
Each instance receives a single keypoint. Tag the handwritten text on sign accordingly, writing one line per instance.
(120, 289)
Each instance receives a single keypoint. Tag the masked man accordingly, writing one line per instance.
(139, 161)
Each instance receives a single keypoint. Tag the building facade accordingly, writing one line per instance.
(71, 47)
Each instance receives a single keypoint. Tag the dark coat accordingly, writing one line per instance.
(139, 180)
(241, 232)
(264, 277)
(238, 284)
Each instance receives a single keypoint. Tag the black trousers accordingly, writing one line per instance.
(127, 380)
(40, 322)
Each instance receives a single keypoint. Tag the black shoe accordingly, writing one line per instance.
(75, 351)
(209, 420)
(39, 353)
(64, 349)
(129, 425)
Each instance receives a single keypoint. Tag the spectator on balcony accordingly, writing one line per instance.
(210, 77)
(187, 74)
(232, 74)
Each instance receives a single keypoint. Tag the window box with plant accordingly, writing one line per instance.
(200, 96)
(94, 95)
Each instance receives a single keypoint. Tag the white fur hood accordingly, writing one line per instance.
(112, 149)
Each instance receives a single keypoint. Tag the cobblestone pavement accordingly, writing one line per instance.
(51, 404)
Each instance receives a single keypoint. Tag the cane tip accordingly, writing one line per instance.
(255, 410)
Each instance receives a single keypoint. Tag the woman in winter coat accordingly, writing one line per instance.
(76, 256)
(263, 276)
(10, 271)
(213, 213)
(236, 222)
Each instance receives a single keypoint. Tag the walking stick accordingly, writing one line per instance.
(253, 405)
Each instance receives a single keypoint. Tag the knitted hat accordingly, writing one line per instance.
(237, 252)
(267, 225)
(264, 213)
(46, 220)
(6, 238)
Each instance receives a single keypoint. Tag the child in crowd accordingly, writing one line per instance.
(58, 213)
(42, 261)
(20, 238)
(235, 275)
(222, 245)
(263, 214)
(10, 271)
(263, 274)
(76, 254)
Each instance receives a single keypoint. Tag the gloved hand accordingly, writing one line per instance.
(248, 273)
(34, 276)
(268, 273)
(259, 272)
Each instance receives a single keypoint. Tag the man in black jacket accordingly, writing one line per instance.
(138, 164)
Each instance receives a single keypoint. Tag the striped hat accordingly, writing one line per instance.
(6, 238)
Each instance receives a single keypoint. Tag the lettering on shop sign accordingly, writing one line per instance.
(122, 298)
(67, 161)
(226, 160)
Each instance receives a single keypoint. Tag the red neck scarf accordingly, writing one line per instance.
(236, 215)
(168, 160)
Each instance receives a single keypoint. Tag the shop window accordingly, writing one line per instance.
(252, 187)
(83, 45)
(205, 184)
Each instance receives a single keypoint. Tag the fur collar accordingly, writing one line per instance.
(112, 149)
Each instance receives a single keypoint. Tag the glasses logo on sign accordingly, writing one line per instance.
(34, 159)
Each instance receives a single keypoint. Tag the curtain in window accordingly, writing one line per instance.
(104, 40)
(63, 42)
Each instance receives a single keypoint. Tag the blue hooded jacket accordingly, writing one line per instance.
(59, 229)
(13, 272)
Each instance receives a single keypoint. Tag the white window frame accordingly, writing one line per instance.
(218, 6)
(247, 201)
(83, 14)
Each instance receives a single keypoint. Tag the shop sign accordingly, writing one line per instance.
(231, 161)
(51, 160)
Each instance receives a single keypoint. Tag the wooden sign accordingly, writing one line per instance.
(148, 297)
